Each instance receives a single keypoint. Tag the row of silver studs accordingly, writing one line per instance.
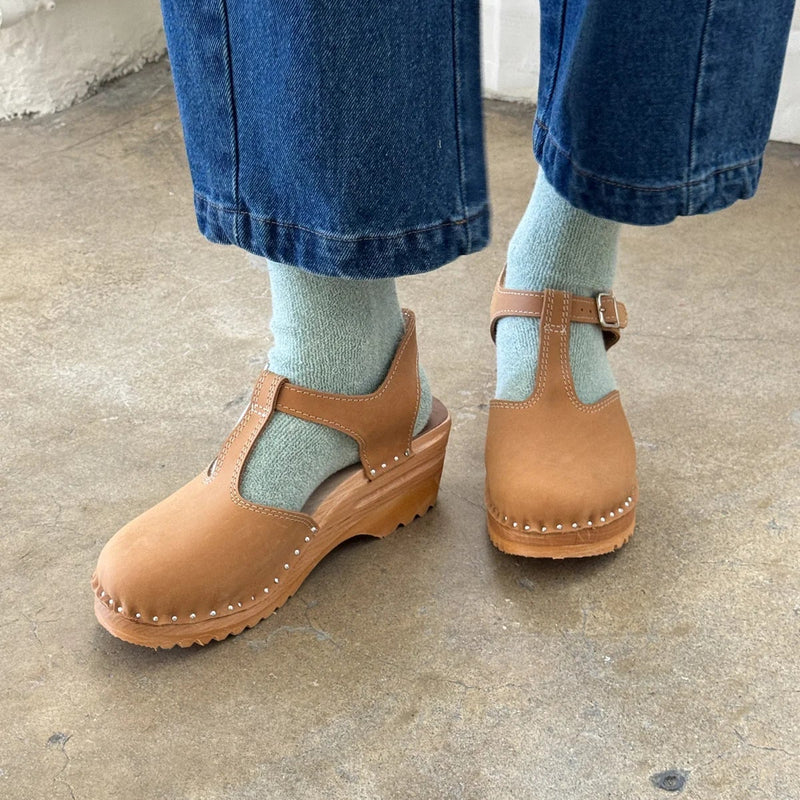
(213, 613)
(559, 526)
(394, 458)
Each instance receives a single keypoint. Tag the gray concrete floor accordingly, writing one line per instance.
(427, 665)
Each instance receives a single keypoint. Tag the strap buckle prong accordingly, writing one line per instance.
(601, 311)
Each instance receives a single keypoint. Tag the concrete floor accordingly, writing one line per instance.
(427, 665)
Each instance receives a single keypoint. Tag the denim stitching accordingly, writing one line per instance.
(701, 61)
(456, 112)
(234, 132)
(557, 67)
(586, 174)
(323, 235)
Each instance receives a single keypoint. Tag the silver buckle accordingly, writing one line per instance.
(604, 323)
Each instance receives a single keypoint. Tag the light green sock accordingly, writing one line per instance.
(333, 335)
(556, 246)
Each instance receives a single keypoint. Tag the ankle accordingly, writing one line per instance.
(556, 246)
(518, 355)
(332, 334)
(336, 334)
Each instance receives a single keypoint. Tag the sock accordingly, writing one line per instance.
(556, 246)
(333, 335)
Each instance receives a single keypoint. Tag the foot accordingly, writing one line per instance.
(560, 474)
(205, 563)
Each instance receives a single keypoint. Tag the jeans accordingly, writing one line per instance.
(347, 139)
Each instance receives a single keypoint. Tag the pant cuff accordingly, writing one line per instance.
(390, 255)
(642, 205)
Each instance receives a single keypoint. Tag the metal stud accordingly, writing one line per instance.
(627, 502)
(286, 566)
(213, 614)
(110, 601)
(383, 466)
(574, 524)
(174, 619)
(589, 523)
(559, 526)
(239, 604)
(397, 458)
(155, 619)
(313, 529)
(230, 608)
(307, 539)
(610, 513)
(619, 510)
(513, 524)
(276, 580)
(266, 590)
(192, 616)
(138, 615)
(252, 597)
(527, 527)
(102, 594)
(407, 453)
(630, 499)
(119, 609)
(602, 519)
(544, 529)
(372, 472)
(297, 552)
(505, 519)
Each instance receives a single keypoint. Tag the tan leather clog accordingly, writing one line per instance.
(205, 563)
(560, 474)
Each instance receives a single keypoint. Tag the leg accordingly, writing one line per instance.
(644, 114)
(346, 148)
(336, 143)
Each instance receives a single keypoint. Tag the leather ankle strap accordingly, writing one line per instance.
(381, 422)
(604, 310)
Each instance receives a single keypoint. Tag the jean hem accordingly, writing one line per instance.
(361, 257)
(642, 205)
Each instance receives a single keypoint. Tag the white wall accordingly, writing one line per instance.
(53, 58)
(510, 48)
(786, 124)
(510, 30)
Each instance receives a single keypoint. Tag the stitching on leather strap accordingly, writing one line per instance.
(220, 458)
(581, 309)
(365, 398)
(547, 328)
(245, 451)
(328, 415)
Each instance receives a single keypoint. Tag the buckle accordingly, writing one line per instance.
(604, 323)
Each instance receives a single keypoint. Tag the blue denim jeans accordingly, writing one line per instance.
(347, 139)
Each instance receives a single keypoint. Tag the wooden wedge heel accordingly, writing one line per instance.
(205, 563)
(560, 474)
